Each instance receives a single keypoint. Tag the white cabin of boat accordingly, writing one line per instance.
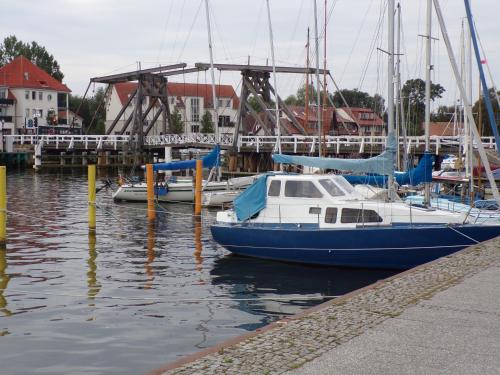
(330, 201)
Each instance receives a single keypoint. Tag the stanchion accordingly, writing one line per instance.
(197, 191)
(3, 205)
(91, 197)
(151, 191)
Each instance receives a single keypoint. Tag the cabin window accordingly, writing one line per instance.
(301, 189)
(315, 210)
(331, 187)
(331, 215)
(355, 215)
(274, 188)
(342, 182)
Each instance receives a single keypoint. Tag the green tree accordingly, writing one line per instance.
(87, 108)
(480, 107)
(413, 93)
(361, 99)
(37, 54)
(207, 125)
(176, 125)
(254, 103)
(443, 114)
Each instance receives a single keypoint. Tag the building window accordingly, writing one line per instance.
(224, 121)
(355, 215)
(34, 112)
(3, 93)
(274, 188)
(40, 95)
(49, 97)
(195, 128)
(40, 112)
(26, 95)
(33, 95)
(301, 189)
(195, 109)
(224, 103)
(27, 113)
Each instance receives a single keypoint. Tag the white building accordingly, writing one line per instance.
(29, 96)
(191, 101)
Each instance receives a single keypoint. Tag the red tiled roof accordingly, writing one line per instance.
(22, 73)
(444, 128)
(356, 112)
(177, 89)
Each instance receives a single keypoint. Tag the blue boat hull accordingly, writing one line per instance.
(396, 247)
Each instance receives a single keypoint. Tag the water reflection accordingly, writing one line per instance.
(92, 284)
(4, 280)
(248, 277)
(198, 247)
(150, 255)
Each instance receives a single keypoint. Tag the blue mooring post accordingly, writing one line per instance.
(486, 93)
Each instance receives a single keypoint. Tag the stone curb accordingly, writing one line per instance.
(289, 343)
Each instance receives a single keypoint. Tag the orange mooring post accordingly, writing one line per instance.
(151, 191)
(197, 190)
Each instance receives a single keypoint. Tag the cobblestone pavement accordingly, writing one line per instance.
(290, 343)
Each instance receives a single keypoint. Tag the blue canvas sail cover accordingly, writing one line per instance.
(420, 174)
(382, 164)
(252, 200)
(209, 161)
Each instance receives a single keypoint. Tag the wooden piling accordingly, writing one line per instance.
(151, 192)
(3, 205)
(197, 191)
(91, 197)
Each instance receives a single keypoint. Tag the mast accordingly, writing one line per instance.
(428, 67)
(324, 76)
(318, 84)
(463, 95)
(398, 87)
(390, 90)
(214, 96)
(278, 130)
(486, 93)
(468, 103)
(306, 104)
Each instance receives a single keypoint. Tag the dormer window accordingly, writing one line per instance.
(43, 83)
(26, 76)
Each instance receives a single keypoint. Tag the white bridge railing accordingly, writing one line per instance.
(296, 142)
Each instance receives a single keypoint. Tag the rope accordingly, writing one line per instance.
(178, 300)
(462, 234)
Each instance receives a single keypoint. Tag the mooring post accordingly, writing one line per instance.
(91, 197)
(197, 190)
(151, 191)
(3, 204)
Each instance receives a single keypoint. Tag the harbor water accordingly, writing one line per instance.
(136, 295)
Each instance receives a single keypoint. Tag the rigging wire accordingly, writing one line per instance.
(354, 45)
(167, 20)
(190, 31)
(373, 43)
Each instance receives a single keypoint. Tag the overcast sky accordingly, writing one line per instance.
(95, 37)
